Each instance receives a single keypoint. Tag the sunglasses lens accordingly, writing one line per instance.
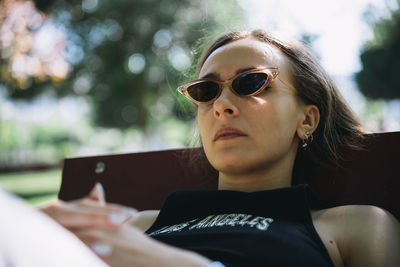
(203, 91)
(249, 83)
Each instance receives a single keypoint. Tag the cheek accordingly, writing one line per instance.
(203, 124)
(279, 124)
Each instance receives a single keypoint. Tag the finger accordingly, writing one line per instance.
(117, 239)
(97, 193)
(111, 220)
(102, 249)
(89, 205)
(94, 242)
(88, 213)
(96, 237)
(124, 247)
(73, 218)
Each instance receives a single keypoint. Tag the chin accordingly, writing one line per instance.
(231, 164)
(231, 159)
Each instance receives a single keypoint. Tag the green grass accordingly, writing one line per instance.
(37, 188)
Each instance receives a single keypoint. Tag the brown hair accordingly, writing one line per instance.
(338, 128)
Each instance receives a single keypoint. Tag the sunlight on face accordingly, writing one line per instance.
(265, 124)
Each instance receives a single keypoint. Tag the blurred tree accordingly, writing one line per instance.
(380, 75)
(124, 56)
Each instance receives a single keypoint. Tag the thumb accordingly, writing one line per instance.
(97, 193)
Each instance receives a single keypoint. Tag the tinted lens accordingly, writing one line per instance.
(246, 84)
(203, 91)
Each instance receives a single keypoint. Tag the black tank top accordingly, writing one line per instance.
(264, 228)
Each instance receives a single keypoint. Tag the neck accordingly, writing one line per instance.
(270, 177)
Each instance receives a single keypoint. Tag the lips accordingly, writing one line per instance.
(228, 133)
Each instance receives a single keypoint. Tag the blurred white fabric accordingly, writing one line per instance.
(30, 238)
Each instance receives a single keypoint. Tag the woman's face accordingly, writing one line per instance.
(246, 134)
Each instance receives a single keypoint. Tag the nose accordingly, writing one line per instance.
(224, 106)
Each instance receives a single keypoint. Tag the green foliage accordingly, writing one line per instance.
(37, 188)
(126, 55)
(126, 59)
(380, 77)
(35, 143)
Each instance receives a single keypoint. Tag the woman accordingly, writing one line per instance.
(261, 102)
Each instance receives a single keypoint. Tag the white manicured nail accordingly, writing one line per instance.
(118, 217)
(130, 211)
(100, 192)
(102, 249)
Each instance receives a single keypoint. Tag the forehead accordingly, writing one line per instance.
(242, 54)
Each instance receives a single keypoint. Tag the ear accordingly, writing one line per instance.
(309, 121)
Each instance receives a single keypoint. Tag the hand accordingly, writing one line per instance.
(128, 246)
(91, 211)
(103, 228)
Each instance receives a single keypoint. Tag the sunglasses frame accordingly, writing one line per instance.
(272, 73)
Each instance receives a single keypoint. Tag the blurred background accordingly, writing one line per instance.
(89, 77)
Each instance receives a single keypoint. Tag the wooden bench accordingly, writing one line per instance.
(143, 180)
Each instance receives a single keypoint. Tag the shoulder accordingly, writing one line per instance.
(364, 234)
(356, 213)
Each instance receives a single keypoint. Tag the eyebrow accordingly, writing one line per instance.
(216, 76)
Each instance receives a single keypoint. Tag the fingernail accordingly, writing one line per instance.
(100, 191)
(118, 217)
(102, 249)
(130, 211)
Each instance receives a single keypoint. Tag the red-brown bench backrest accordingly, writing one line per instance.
(143, 180)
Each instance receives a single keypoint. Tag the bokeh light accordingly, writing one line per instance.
(136, 63)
